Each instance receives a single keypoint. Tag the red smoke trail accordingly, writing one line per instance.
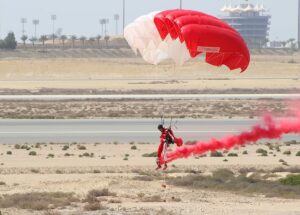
(270, 129)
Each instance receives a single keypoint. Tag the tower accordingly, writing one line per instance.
(251, 21)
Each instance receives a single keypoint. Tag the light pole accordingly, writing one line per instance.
(53, 18)
(299, 24)
(102, 22)
(106, 21)
(116, 18)
(35, 22)
(23, 21)
(180, 4)
(124, 11)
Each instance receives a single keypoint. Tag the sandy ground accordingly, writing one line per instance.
(23, 173)
(268, 72)
(142, 109)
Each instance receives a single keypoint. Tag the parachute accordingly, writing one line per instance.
(181, 35)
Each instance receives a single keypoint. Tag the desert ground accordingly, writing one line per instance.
(129, 73)
(120, 178)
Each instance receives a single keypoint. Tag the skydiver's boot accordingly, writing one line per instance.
(158, 164)
(165, 167)
(158, 167)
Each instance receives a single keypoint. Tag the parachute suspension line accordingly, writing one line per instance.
(165, 186)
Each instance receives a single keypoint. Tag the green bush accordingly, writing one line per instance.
(79, 147)
(245, 152)
(9, 153)
(26, 147)
(133, 148)
(293, 180)
(153, 154)
(32, 153)
(216, 154)
(17, 146)
(298, 154)
(232, 155)
(86, 154)
(261, 151)
(65, 147)
(50, 155)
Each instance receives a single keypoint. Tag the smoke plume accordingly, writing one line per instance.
(271, 128)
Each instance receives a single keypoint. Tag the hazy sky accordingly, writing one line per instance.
(81, 17)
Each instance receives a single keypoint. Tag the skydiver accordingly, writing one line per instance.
(166, 138)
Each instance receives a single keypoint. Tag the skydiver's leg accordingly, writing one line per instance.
(166, 146)
(159, 152)
(158, 164)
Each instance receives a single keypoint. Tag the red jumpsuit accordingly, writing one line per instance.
(167, 135)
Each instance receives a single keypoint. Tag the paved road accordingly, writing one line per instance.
(121, 130)
(151, 96)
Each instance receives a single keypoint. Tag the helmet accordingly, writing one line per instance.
(160, 126)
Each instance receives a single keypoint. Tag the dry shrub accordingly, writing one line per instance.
(225, 180)
(94, 206)
(32, 153)
(162, 211)
(114, 201)
(65, 147)
(176, 199)
(51, 213)
(93, 195)
(282, 169)
(153, 198)
(133, 148)
(37, 201)
(150, 155)
(232, 155)
(17, 146)
(35, 171)
(96, 171)
(144, 178)
(80, 147)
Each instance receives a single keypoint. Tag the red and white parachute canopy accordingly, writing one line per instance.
(184, 34)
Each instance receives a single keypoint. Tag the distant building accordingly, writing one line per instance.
(251, 21)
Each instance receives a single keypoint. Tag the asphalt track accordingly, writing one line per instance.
(120, 130)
